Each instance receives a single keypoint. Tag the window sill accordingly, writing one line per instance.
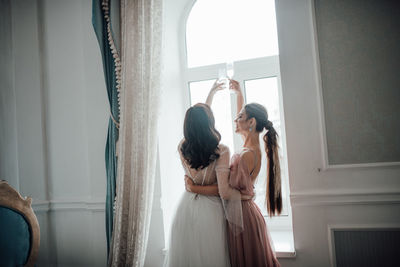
(283, 243)
(285, 254)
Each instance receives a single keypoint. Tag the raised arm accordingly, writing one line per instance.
(215, 88)
(235, 87)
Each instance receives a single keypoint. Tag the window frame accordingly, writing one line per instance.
(175, 84)
(250, 69)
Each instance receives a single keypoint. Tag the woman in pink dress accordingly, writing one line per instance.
(251, 246)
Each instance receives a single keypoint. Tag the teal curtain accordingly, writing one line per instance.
(100, 28)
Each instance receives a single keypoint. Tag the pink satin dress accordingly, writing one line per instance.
(252, 247)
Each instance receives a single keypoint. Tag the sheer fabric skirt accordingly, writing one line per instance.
(198, 233)
(253, 247)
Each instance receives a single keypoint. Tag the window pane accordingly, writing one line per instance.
(221, 108)
(218, 31)
(265, 92)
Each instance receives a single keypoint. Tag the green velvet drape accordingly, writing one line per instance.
(100, 28)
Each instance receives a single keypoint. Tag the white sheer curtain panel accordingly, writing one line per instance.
(141, 30)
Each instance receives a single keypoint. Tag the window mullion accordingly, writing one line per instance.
(203, 73)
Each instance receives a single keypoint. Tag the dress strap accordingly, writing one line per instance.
(204, 175)
(187, 169)
(184, 162)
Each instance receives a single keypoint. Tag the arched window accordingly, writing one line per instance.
(221, 30)
(225, 36)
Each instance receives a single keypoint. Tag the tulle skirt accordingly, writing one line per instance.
(198, 233)
(253, 247)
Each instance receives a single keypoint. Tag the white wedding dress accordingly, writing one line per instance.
(198, 232)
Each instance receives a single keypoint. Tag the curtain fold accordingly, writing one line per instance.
(141, 30)
(101, 20)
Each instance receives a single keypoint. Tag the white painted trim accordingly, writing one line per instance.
(41, 206)
(286, 254)
(331, 247)
(321, 110)
(69, 205)
(339, 199)
(361, 165)
(318, 85)
(279, 254)
(183, 47)
(354, 227)
(92, 205)
(244, 70)
(359, 226)
(182, 30)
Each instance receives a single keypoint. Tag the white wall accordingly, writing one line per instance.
(55, 86)
(25, 119)
(172, 110)
(320, 197)
(54, 112)
(356, 196)
(8, 137)
(76, 127)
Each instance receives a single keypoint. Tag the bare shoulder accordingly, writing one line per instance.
(247, 157)
(223, 149)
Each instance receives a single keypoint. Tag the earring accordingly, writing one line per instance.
(250, 129)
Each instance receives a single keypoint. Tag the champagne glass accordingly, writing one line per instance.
(225, 74)
(222, 78)
(229, 73)
(229, 69)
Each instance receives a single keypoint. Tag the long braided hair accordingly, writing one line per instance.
(274, 189)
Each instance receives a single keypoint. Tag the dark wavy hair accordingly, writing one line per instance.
(201, 138)
(274, 191)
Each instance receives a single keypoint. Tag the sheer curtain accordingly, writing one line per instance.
(141, 29)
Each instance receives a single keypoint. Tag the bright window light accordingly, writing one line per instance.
(221, 108)
(265, 92)
(218, 31)
(242, 33)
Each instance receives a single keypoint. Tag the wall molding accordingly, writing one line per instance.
(297, 199)
(340, 199)
(41, 206)
(321, 111)
(329, 167)
(338, 227)
(69, 205)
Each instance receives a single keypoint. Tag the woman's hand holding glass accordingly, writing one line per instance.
(218, 85)
(234, 86)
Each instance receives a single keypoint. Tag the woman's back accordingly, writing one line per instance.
(245, 167)
(198, 232)
(207, 175)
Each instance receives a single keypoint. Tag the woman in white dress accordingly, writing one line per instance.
(198, 232)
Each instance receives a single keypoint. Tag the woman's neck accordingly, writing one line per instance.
(252, 140)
